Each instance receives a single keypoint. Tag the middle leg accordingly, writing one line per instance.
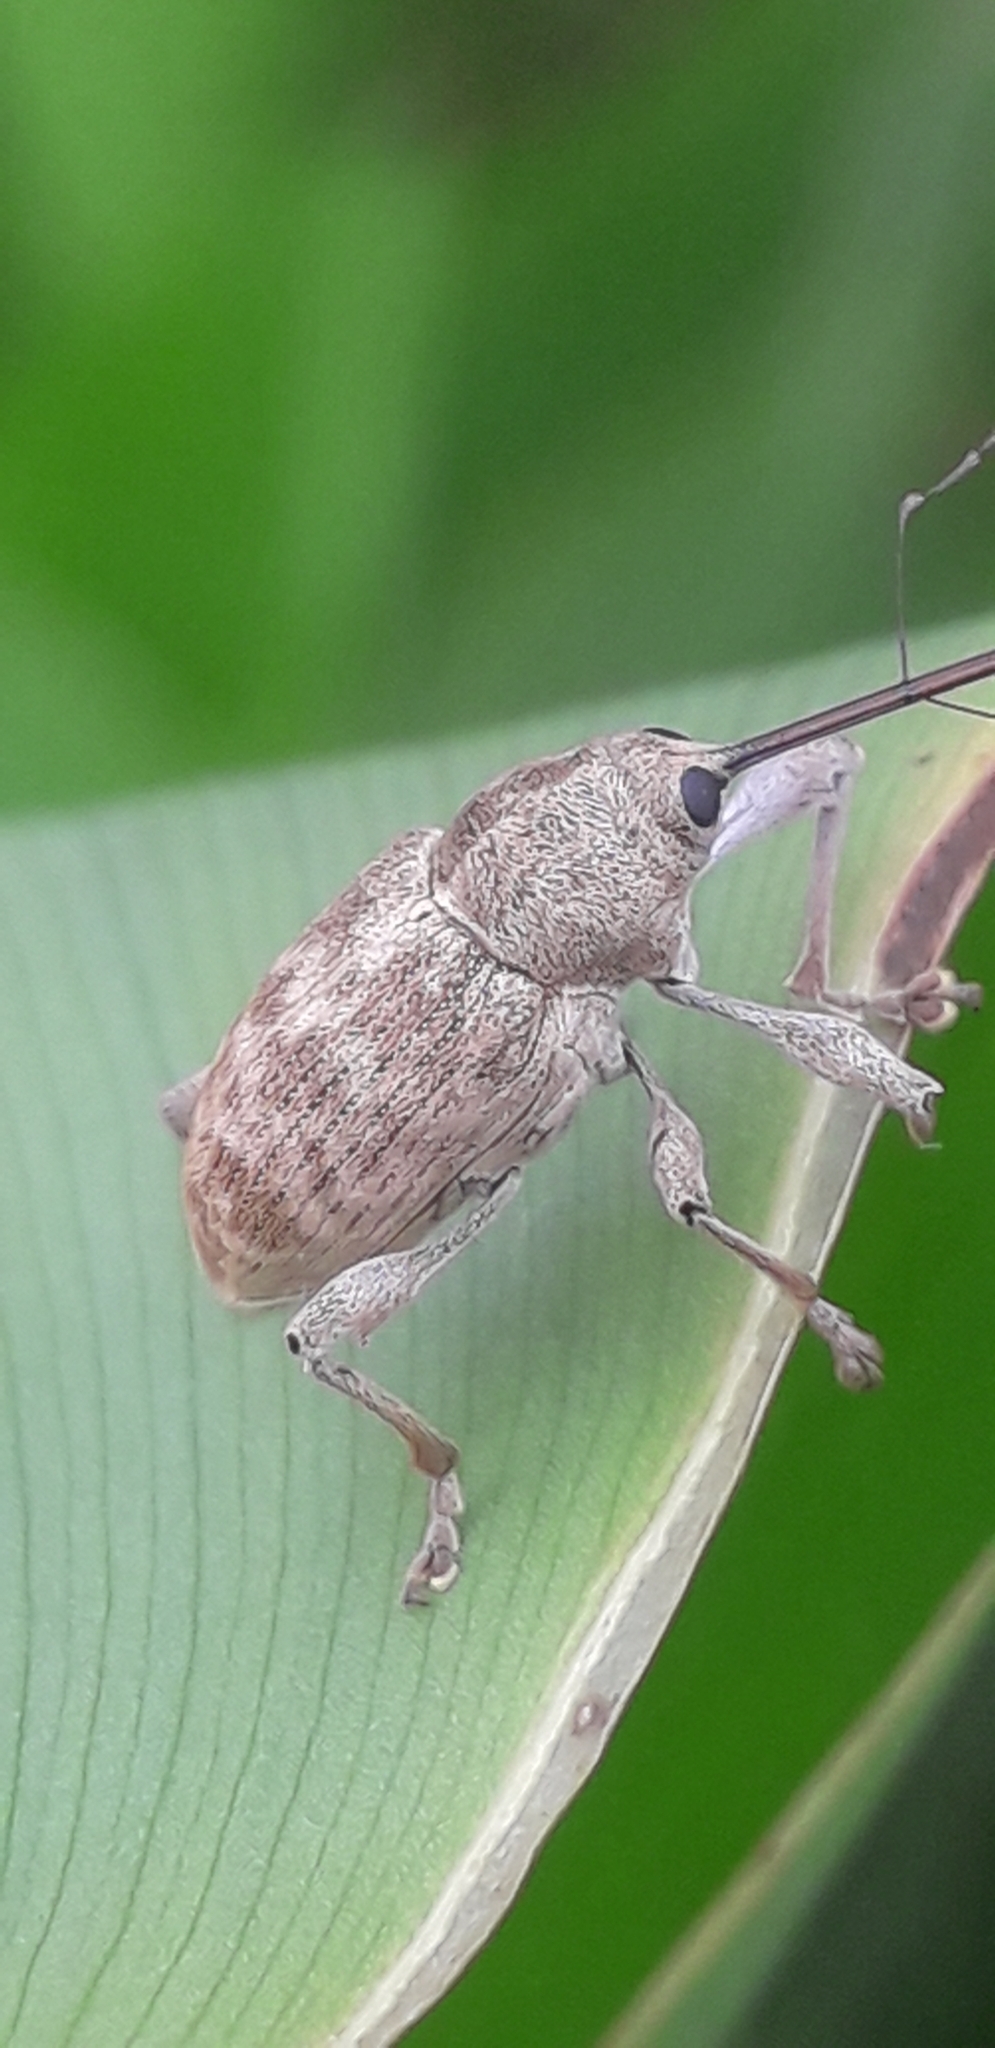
(677, 1166)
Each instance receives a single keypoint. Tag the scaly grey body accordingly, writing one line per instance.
(393, 1053)
(444, 1018)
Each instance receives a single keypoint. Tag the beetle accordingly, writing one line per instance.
(442, 1020)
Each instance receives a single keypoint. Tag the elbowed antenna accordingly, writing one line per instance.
(912, 503)
(937, 682)
(909, 689)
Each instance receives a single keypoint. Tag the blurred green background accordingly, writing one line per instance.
(369, 371)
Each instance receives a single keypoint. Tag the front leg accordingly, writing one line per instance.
(677, 1166)
(353, 1305)
(819, 779)
(931, 1000)
(814, 780)
(832, 1047)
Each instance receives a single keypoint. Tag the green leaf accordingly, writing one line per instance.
(866, 1913)
(251, 1801)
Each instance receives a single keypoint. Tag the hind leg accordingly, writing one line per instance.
(353, 1305)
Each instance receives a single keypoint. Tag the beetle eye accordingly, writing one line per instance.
(702, 793)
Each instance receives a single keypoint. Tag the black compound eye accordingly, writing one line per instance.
(702, 793)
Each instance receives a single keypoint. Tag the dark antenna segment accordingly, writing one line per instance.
(858, 710)
(925, 689)
(913, 502)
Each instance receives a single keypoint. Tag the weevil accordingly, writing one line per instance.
(370, 1111)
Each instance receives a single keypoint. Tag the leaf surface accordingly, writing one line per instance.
(251, 1801)
(866, 1912)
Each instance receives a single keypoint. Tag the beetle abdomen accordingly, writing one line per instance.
(312, 1144)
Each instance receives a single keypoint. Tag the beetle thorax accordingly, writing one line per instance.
(576, 869)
